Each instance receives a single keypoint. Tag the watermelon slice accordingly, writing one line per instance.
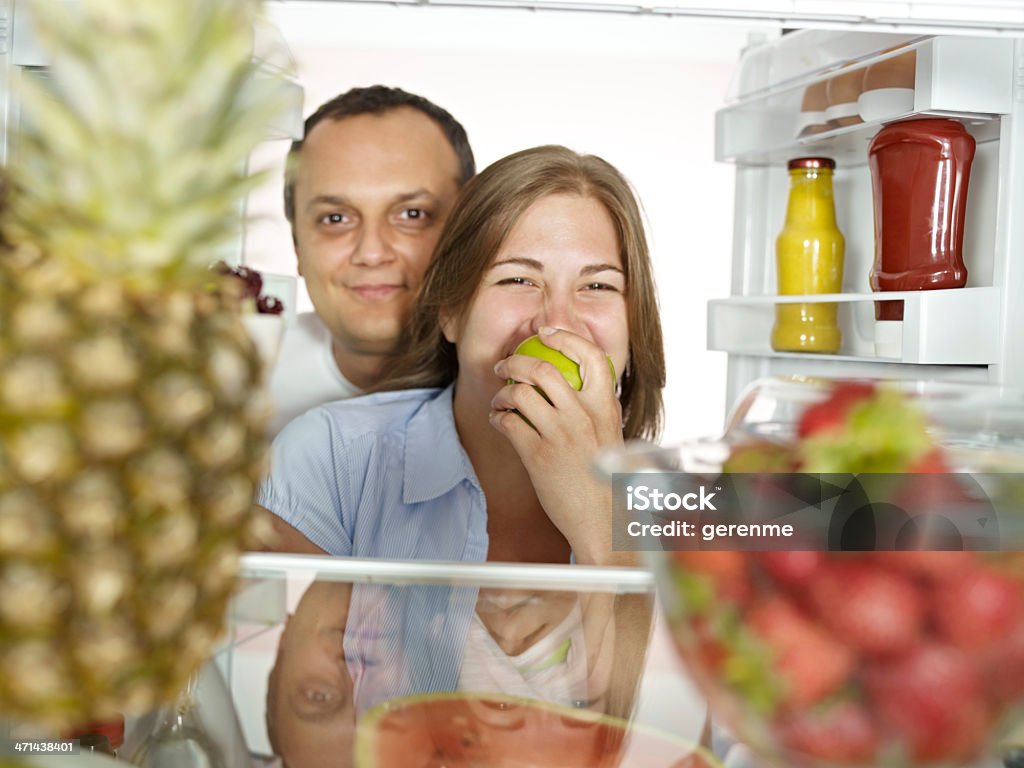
(466, 730)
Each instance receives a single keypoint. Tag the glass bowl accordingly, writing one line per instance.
(981, 424)
(818, 657)
(499, 731)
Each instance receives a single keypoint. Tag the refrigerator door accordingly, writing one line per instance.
(968, 334)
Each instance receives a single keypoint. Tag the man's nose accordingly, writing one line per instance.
(372, 248)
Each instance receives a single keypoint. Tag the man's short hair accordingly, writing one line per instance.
(377, 100)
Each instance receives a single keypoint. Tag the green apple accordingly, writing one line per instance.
(534, 347)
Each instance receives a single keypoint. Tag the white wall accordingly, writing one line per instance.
(639, 91)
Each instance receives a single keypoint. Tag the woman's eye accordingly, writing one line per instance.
(515, 281)
(601, 287)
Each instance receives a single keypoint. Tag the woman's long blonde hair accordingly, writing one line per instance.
(487, 210)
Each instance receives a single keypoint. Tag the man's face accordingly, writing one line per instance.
(310, 697)
(338, 655)
(371, 195)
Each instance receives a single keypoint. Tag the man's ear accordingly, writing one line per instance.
(449, 326)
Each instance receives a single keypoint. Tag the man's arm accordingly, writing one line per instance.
(286, 538)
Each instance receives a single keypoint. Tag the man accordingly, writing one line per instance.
(367, 191)
(310, 706)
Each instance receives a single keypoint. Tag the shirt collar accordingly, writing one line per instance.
(435, 461)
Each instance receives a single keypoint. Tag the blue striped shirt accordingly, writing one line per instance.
(385, 475)
(382, 475)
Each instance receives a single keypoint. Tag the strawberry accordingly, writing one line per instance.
(931, 566)
(759, 456)
(791, 569)
(931, 698)
(939, 496)
(980, 609)
(861, 429)
(708, 649)
(842, 732)
(1003, 667)
(726, 570)
(933, 462)
(874, 610)
(811, 662)
(830, 414)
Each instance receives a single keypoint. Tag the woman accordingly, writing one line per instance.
(465, 465)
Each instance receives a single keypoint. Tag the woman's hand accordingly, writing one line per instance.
(558, 440)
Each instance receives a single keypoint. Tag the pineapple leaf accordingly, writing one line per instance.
(132, 158)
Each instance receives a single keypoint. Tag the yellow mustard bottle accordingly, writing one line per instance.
(809, 258)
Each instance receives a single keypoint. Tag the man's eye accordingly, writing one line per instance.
(362, 661)
(414, 215)
(321, 695)
(333, 218)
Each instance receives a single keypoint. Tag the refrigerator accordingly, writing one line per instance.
(698, 104)
(967, 57)
(713, 221)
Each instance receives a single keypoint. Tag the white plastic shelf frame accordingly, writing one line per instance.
(941, 327)
(969, 79)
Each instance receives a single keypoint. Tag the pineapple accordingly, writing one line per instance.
(132, 417)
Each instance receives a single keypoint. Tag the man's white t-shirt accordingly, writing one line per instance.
(306, 374)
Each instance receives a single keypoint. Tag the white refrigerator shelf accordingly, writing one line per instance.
(942, 327)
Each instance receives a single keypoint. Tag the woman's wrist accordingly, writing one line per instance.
(612, 560)
(600, 552)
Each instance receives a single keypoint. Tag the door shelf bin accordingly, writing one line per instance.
(962, 78)
(943, 327)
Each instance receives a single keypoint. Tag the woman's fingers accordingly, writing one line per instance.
(595, 370)
(541, 374)
(514, 412)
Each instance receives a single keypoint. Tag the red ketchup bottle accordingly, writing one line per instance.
(111, 731)
(919, 175)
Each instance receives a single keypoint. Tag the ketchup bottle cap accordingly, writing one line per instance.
(113, 729)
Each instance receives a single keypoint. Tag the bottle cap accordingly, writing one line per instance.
(96, 742)
(113, 729)
(811, 162)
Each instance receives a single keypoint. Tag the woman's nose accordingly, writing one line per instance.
(557, 313)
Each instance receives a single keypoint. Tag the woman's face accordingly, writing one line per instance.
(559, 266)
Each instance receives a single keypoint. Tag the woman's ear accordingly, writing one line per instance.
(449, 326)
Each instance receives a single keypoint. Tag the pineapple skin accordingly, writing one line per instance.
(132, 414)
(132, 436)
